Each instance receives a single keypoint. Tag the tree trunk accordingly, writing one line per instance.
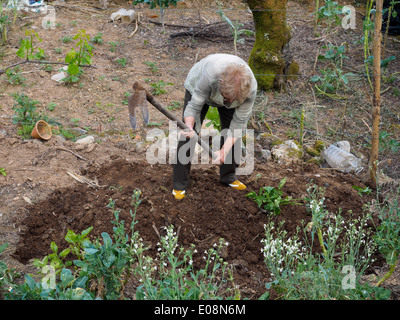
(269, 58)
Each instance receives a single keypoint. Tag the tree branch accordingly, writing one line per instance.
(42, 62)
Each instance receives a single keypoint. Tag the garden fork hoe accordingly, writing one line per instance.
(140, 97)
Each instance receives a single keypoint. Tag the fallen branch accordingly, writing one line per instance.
(210, 25)
(81, 179)
(70, 151)
(42, 62)
(136, 26)
(200, 34)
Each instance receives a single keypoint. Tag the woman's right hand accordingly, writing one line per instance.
(189, 121)
(188, 133)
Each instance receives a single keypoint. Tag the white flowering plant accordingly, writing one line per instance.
(299, 271)
(387, 237)
(173, 276)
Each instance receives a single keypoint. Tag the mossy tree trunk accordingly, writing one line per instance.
(269, 58)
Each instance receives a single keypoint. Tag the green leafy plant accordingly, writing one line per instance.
(271, 199)
(387, 236)
(126, 96)
(66, 39)
(335, 54)
(7, 275)
(300, 272)
(28, 48)
(332, 77)
(65, 287)
(14, 76)
(114, 44)
(152, 65)
(236, 29)
(25, 108)
(77, 241)
(122, 62)
(3, 172)
(26, 116)
(330, 13)
(174, 277)
(362, 191)
(98, 38)
(51, 106)
(80, 55)
(67, 133)
(174, 105)
(387, 143)
(158, 87)
(55, 259)
(213, 115)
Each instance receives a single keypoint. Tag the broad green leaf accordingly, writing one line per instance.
(53, 247)
(30, 282)
(315, 78)
(70, 56)
(85, 232)
(107, 239)
(66, 277)
(91, 250)
(73, 69)
(70, 236)
(80, 282)
(64, 253)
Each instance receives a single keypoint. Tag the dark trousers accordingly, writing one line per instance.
(181, 171)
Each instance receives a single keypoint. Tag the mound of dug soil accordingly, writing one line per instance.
(210, 210)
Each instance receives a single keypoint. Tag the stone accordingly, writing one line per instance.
(85, 141)
(140, 146)
(286, 153)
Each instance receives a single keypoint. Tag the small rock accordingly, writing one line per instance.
(85, 141)
(286, 152)
(266, 154)
(80, 147)
(59, 139)
(58, 77)
(140, 146)
(90, 147)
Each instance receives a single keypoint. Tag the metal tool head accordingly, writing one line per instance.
(138, 100)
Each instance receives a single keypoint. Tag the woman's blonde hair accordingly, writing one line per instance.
(235, 82)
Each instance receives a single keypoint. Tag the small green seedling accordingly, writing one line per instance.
(271, 199)
(362, 191)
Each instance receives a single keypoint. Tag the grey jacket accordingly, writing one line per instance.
(203, 84)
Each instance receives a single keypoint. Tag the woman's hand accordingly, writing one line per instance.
(188, 133)
(219, 157)
(189, 121)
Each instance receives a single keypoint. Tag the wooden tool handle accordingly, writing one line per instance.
(173, 117)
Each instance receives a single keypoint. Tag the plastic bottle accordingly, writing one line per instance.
(342, 160)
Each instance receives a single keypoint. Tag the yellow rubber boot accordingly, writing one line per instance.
(178, 194)
(237, 185)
